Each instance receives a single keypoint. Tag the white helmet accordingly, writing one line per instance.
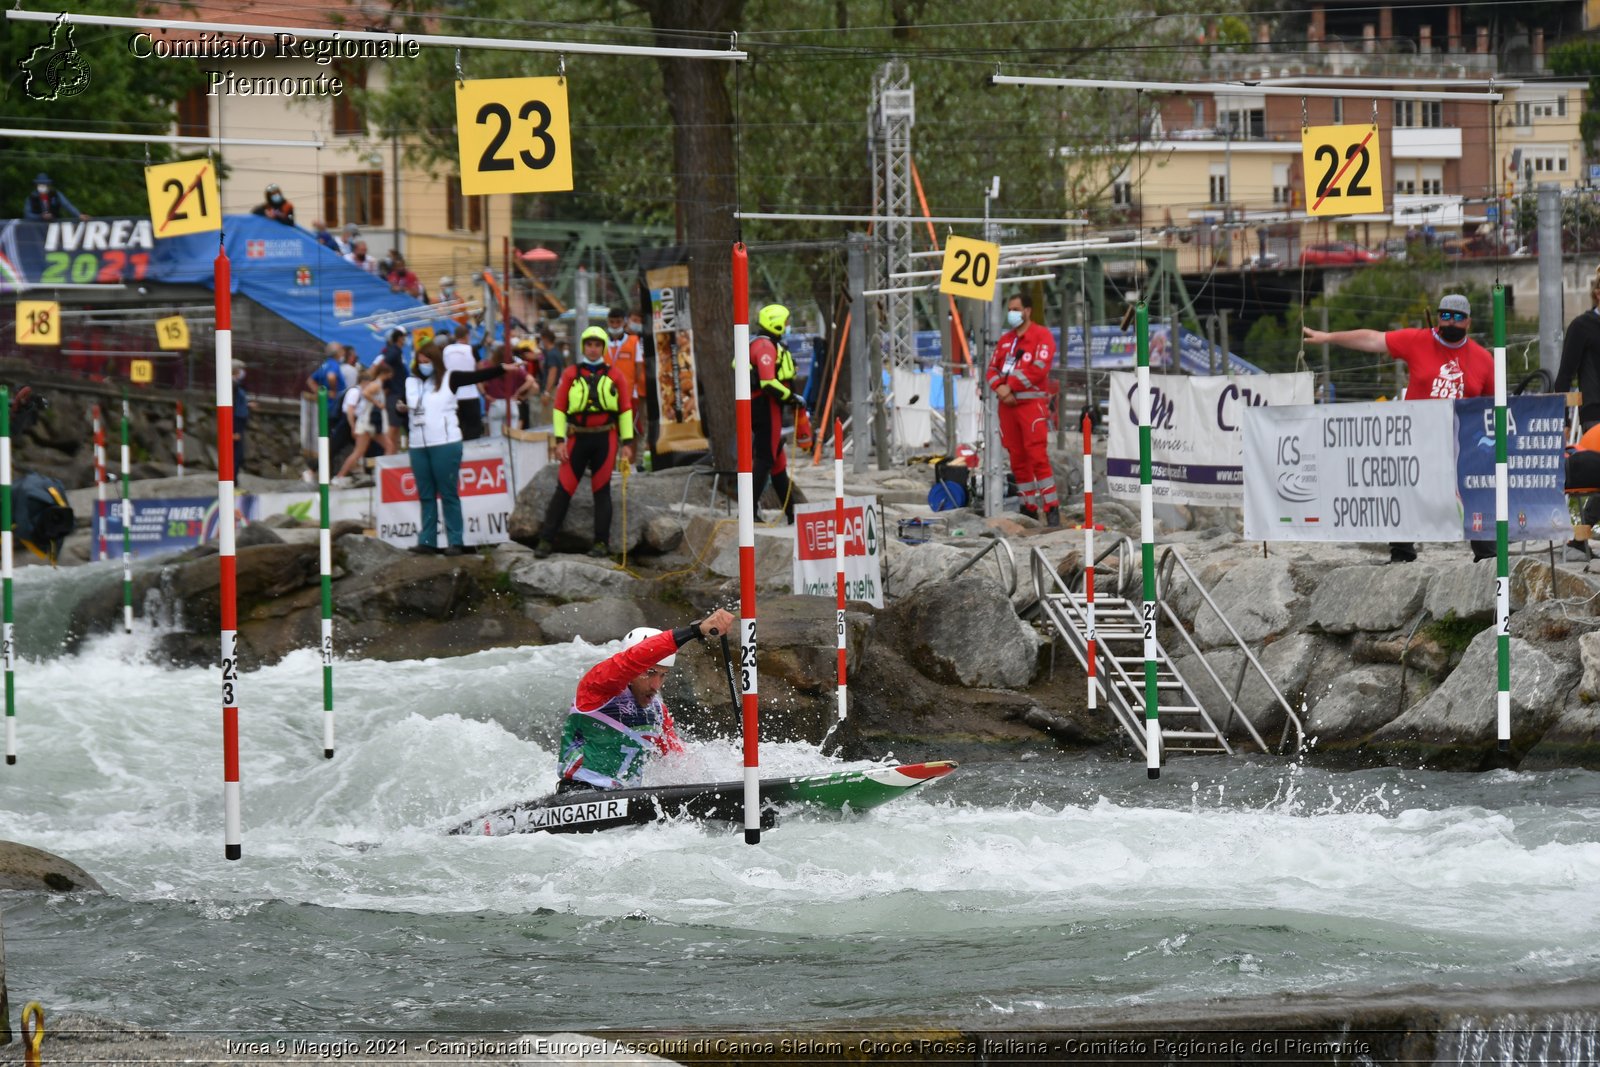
(640, 633)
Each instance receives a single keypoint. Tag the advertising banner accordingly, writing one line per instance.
(1196, 441)
(1351, 472)
(673, 327)
(163, 527)
(815, 566)
(1535, 467)
(486, 490)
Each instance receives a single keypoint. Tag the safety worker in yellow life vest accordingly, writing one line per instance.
(772, 378)
(593, 414)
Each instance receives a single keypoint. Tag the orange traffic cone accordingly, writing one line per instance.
(802, 429)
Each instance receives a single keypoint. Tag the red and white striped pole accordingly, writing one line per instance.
(232, 848)
(100, 479)
(1088, 545)
(180, 438)
(747, 545)
(838, 570)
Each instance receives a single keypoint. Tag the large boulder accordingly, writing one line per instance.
(1572, 740)
(1589, 657)
(963, 632)
(1257, 597)
(774, 554)
(1370, 598)
(360, 554)
(1288, 663)
(411, 588)
(1455, 725)
(1463, 591)
(569, 578)
(595, 621)
(1356, 703)
(644, 500)
(910, 568)
(1533, 579)
(23, 867)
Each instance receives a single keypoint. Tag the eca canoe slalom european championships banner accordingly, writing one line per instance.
(1196, 451)
(815, 562)
(163, 527)
(1392, 471)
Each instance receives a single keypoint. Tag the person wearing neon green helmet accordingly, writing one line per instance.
(593, 416)
(772, 376)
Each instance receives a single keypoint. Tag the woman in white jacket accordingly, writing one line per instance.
(436, 444)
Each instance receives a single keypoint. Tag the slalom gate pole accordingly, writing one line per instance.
(325, 541)
(100, 479)
(1147, 550)
(747, 545)
(180, 439)
(232, 848)
(8, 643)
(1088, 546)
(127, 529)
(1502, 522)
(838, 559)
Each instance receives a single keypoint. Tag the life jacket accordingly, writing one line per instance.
(784, 375)
(40, 514)
(594, 403)
(609, 747)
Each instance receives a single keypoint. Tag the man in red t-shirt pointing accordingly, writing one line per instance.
(1444, 364)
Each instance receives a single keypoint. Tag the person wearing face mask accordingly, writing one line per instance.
(275, 207)
(435, 442)
(618, 723)
(1444, 364)
(593, 415)
(623, 352)
(1019, 375)
(47, 203)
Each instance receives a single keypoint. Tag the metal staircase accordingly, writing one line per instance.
(1186, 725)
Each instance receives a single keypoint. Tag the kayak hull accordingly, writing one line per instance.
(591, 810)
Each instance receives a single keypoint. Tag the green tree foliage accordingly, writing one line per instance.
(122, 94)
(1580, 57)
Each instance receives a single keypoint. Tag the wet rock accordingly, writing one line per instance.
(1287, 662)
(1358, 702)
(411, 588)
(569, 578)
(1370, 598)
(359, 554)
(963, 632)
(256, 534)
(1573, 740)
(1257, 596)
(29, 869)
(596, 621)
(1589, 657)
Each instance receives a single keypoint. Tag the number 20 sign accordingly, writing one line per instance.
(1343, 169)
(968, 268)
(513, 136)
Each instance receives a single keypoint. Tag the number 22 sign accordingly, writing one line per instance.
(513, 136)
(1343, 169)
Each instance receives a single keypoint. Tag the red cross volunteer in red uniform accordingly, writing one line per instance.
(1019, 374)
(1444, 364)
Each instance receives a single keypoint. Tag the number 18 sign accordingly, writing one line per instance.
(513, 136)
(1343, 170)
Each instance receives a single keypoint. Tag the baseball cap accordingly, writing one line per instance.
(1455, 302)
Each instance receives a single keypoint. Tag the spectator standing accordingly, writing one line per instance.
(394, 386)
(402, 279)
(459, 357)
(1580, 359)
(275, 206)
(241, 416)
(1019, 375)
(551, 361)
(506, 392)
(1444, 364)
(328, 376)
(319, 230)
(626, 353)
(349, 365)
(431, 406)
(47, 203)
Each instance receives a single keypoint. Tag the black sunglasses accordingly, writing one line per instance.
(1454, 316)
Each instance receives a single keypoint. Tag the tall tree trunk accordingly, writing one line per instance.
(703, 176)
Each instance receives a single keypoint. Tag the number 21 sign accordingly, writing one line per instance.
(1343, 169)
(513, 137)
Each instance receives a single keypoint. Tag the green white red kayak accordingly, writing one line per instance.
(589, 810)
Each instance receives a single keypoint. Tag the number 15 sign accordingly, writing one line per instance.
(1343, 169)
(513, 136)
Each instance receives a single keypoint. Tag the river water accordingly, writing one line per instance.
(1008, 892)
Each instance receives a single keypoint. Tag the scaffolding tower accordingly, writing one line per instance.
(889, 120)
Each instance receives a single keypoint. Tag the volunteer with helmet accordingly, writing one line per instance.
(593, 412)
(771, 390)
(1019, 375)
(275, 207)
(618, 722)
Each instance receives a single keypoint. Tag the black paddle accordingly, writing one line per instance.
(727, 668)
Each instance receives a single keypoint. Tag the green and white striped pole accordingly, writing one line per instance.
(7, 638)
(1147, 549)
(1502, 517)
(127, 528)
(326, 541)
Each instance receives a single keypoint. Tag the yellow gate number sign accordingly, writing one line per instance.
(141, 372)
(969, 268)
(183, 197)
(1343, 170)
(172, 334)
(38, 322)
(513, 136)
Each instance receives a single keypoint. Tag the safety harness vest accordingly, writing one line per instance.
(593, 393)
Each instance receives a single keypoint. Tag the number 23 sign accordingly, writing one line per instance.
(513, 136)
(1343, 169)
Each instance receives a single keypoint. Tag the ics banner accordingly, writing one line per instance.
(1391, 472)
(1196, 445)
(815, 566)
(486, 490)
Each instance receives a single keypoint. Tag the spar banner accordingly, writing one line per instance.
(484, 482)
(815, 566)
(1196, 444)
(1535, 467)
(673, 328)
(1351, 472)
(163, 527)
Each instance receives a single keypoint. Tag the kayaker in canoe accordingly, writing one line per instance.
(618, 721)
